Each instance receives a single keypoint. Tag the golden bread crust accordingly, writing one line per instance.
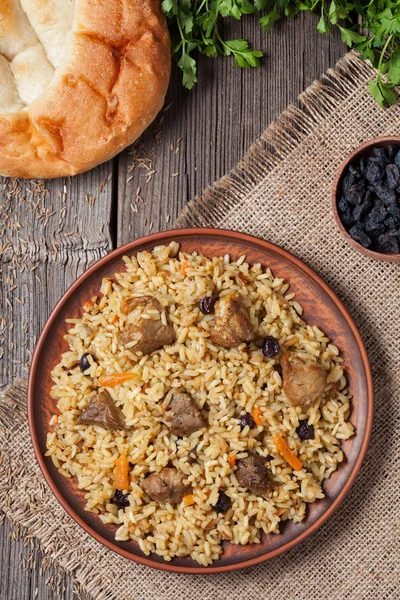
(100, 100)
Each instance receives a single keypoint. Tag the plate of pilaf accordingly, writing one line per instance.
(200, 400)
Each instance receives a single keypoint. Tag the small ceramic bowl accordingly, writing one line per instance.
(364, 149)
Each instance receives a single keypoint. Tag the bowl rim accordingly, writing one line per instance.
(382, 256)
(169, 234)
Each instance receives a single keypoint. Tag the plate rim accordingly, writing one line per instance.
(227, 233)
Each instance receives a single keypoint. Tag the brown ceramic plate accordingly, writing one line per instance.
(321, 307)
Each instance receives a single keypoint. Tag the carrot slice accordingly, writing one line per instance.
(188, 500)
(122, 472)
(116, 378)
(232, 460)
(294, 340)
(256, 414)
(283, 448)
(184, 269)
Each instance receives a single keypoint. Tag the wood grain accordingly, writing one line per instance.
(215, 123)
(49, 236)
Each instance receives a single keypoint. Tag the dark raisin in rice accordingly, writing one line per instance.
(206, 305)
(247, 419)
(305, 431)
(84, 363)
(120, 499)
(270, 346)
(223, 503)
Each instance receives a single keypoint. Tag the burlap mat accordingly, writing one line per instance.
(280, 191)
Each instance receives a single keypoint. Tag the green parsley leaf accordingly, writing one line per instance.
(323, 26)
(264, 4)
(170, 6)
(350, 37)
(188, 65)
(382, 92)
(394, 67)
(209, 22)
(195, 27)
(243, 56)
(336, 12)
(269, 20)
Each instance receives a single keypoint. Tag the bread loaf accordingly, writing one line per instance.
(79, 81)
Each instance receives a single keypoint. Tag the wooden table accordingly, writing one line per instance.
(52, 232)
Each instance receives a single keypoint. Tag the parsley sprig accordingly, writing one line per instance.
(371, 27)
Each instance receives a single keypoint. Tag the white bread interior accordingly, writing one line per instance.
(79, 81)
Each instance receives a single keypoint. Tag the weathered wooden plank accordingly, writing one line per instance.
(205, 132)
(217, 122)
(49, 235)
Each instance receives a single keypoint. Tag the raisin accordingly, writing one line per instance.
(349, 180)
(305, 431)
(388, 243)
(374, 172)
(394, 211)
(84, 363)
(355, 172)
(387, 196)
(361, 210)
(358, 235)
(355, 193)
(391, 152)
(206, 305)
(345, 212)
(120, 499)
(270, 346)
(347, 218)
(381, 154)
(371, 196)
(390, 225)
(192, 458)
(370, 205)
(392, 176)
(343, 205)
(223, 503)
(372, 226)
(247, 419)
(363, 165)
(378, 213)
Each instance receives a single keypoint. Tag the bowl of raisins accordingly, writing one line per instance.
(366, 198)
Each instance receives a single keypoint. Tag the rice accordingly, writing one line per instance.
(224, 382)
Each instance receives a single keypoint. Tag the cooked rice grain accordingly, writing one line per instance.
(223, 381)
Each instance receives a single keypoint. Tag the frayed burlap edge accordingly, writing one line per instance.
(275, 145)
(277, 142)
(24, 523)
